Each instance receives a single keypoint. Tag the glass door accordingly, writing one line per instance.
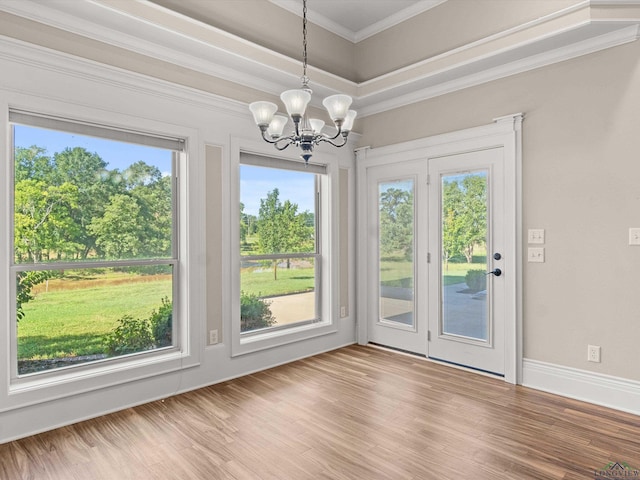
(395, 195)
(466, 318)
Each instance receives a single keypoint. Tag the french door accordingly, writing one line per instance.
(398, 230)
(440, 271)
(469, 268)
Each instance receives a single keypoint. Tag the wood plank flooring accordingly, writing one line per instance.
(355, 413)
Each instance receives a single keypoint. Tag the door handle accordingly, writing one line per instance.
(496, 271)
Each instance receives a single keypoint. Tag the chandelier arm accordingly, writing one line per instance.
(338, 133)
(330, 141)
(275, 140)
(285, 146)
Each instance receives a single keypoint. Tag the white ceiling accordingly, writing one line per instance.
(356, 20)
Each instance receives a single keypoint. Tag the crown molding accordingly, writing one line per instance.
(398, 17)
(146, 28)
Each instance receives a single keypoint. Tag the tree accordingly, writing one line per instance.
(153, 194)
(464, 216)
(87, 171)
(474, 213)
(281, 229)
(32, 164)
(118, 232)
(396, 222)
(452, 225)
(43, 219)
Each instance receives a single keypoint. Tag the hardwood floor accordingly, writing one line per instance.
(355, 413)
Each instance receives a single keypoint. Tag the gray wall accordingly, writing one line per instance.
(581, 183)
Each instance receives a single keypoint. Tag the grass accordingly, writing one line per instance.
(396, 271)
(70, 322)
(259, 280)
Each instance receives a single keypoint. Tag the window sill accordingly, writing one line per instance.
(275, 338)
(45, 387)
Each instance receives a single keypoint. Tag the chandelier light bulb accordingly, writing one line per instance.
(263, 112)
(316, 125)
(296, 101)
(276, 127)
(347, 125)
(337, 106)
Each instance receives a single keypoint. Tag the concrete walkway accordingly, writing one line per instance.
(464, 313)
(292, 308)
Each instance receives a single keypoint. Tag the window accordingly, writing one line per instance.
(94, 246)
(280, 245)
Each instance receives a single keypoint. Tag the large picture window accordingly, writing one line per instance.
(94, 246)
(280, 251)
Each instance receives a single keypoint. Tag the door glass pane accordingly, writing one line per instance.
(464, 255)
(395, 252)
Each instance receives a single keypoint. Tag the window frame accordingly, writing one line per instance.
(315, 254)
(28, 119)
(326, 241)
(24, 390)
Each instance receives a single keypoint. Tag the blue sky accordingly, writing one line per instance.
(256, 182)
(117, 154)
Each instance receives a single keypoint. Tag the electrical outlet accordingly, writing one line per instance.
(213, 337)
(593, 353)
(343, 311)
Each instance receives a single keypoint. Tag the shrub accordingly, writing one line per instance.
(476, 280)
(130, 336)
(161, 323)
(25, 281)
(254, 313)
(138, 334)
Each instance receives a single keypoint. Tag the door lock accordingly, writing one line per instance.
(496, 271)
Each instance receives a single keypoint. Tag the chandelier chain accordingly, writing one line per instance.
(305, 79)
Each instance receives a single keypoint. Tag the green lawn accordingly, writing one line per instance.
(74, 322)
(396, 271)
(259, 280)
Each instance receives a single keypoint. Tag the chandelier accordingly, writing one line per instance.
(307, 132)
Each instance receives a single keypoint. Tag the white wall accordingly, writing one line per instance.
(34, 78)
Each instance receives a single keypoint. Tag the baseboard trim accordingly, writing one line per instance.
(606, 390)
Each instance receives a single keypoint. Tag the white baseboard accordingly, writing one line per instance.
(608, 391)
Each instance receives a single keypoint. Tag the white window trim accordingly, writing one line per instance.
(327, 324)
(189, 287)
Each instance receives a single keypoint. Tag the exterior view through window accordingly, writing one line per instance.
(279, 271)
(395, 256)
(94, 254)
(464, 255)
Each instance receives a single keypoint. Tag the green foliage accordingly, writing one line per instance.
(396, 222)
(476, 280)
(139, 334)
(130, 336)
(117, 232)
(44, 224)
(281, 229)
(25, 283)
(32, 164)
(69, 206)
(464, 216)
(161, 323)
(254, 313)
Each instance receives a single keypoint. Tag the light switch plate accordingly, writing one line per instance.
(634, 236)
(535, 255)
(536, 235)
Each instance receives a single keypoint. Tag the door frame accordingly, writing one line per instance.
(504, 132)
